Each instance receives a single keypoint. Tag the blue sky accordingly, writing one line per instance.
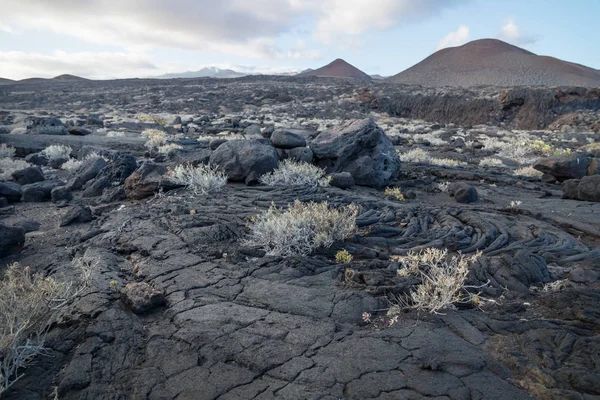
(127, 38)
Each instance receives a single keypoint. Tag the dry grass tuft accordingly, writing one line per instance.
(293, 173)
(203, 179)
(302, 228)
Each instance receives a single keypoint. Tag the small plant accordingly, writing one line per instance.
(443, 279)
(394, 193)
(302, 228)
(168, 149)
(446, 162)
(152, 119)
(203, 179)
(443, 186)
(72, 165)
(10, 165)
(417, 155)
(343, 257)
(57, 152)
(6, 151)
(293, 173)
(514, 204)
(528, 172)
(115, 134)
(490, 162)
(29, 304)
(156, 138)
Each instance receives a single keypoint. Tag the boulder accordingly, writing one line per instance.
(141, 297)
(94, 120)
(88, 171)
(36, 159)
(284, 139)
(463, 192)
(61, 193)
(39, 191)
(28, 175)
(361, 148)
(11, 240)
(77, 214)
(589, 188)
(342, 180)
(239, 158)
(78, 131)
(303, 154)
(11, 191)
(147, 180)
(113, 174)
(44, 126)
(252, 131)
(214, 144)
(569, 188)
(569, 166)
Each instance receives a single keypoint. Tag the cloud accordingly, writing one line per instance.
(458, 38)
(512, 33)
(339, 19)
(301, 51)
(100, 65)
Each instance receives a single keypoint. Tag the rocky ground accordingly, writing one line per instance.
(179, 305)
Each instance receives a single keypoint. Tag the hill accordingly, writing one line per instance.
(67, 77)
(495, 63)
(338, 68)
(207, 72)
(4, 81)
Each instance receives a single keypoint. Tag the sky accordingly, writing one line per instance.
(105, 39)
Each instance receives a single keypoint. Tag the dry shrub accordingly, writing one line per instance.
(57, 152)
(293, 173)
(156, 138)
(443, 279)
(302, 228)
(29, 304)
(417, 155)
(10, 165)
(202, 179)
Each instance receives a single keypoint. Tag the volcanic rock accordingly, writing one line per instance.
(361, 148)
(28, 175)
(141, 298)
(283, 139)
(239, 158)
(11, 240)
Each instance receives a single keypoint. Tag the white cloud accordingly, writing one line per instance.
(5, 28)
(458, 38)
(511, 33)
(302, 51)
(100, 65)
(339, 19)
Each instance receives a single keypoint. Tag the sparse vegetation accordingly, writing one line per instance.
(29, 303)
(394, 193)
(293, 173)
(156, 138)
(443, 279)
(6, 151)
(446, 162)
(57, 152)
(72, 165)
(302, 228)
(203, 179)
(490, 162)
(443, 186)
(528, 171)
(152, 119)
(343, 257)
(417, 155)
(115, 134)
(168, 149)
(10, 165)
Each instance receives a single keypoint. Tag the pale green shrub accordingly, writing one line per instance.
(293, 173)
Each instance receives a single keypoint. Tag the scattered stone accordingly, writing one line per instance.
(589, 188)
(571, 166)
(61, 193)
(147, 180)
(238, 158)
(88, 171)
(28, 175)
(342, 180)
(141, 297)
(360, 148)
(11, 240)
(570, 187)
(79, 131)
(463, 192)
(36, 159)
(39, 191)
(301, 154)
(75, 215)
(45, 126)
(11, 191)
(214, 144)
(252, 131)
(284, 139)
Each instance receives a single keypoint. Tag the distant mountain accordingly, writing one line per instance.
(338, 68)
(4, 81)
(207, 72)
(378, 77)
(67, 77)
(305, 71)
(493, 62)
